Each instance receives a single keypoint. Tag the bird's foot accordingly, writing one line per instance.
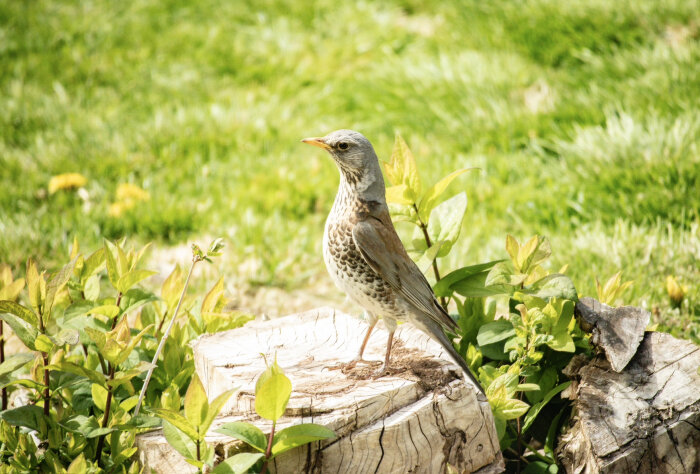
(383, 370)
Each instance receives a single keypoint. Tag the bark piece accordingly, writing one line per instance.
(643, 420)
(416, 420)
(617, 331)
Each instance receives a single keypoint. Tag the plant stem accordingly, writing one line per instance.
(119, 301)
(105, 369)
(47, 395)
(105, 419)
(520, 443)
(45, 360)
(268, 451)
(424, 228)
(164, 338)
(2, 359)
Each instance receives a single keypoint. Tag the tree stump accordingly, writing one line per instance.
(418, 419)
(643, 420)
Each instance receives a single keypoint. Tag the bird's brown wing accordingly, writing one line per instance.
(382, 249)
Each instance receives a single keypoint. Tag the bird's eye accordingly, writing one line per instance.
(343, 146)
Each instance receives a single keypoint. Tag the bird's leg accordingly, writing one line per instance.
(359, 358)
(385, 368)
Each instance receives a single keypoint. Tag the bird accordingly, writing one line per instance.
(365, 257)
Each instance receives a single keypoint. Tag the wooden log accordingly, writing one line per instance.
(643, 420)
(617, 332)
(418, 419)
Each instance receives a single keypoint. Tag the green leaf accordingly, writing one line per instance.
(445, 222)
(134, 298)
(35, 282)
(245, 432)
(94, 263)
(12, 290)
(22, 329)
(43, 343)
(512, 247)
(556, 285)
(179, 421)
(196, 403)
(535, 409)
(123, 376)
(426, 259)
(401, 169)
(216, 247)
(546, 380)
(495, 331)
(78, 466)
(108, 310)
(430, 198)
(29, 416)
(214, 409)
(112, 269)
(562, 340)
(20, 311)
(509, 409)
(72, 368)
(299, 435)
(179, 441)
(124, 354)
(99, 396)
(131, 278)
(446, 285)
(503, 274)
(67, 336)
(14, 362)
(87, 426)
(56, 284)
(239, 463)
(399, 194)
(272, 392)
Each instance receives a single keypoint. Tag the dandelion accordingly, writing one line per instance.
(66, 181)
(128, 195)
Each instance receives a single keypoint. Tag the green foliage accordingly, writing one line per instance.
(272, 391)
(518, 356)
(91, 335)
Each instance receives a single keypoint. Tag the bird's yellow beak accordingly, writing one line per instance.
(316, 141)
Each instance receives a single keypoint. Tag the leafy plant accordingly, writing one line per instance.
(519, 356)
(92, 333)
(438, 224)
(272, 392)
(185, 433)
(613, 289)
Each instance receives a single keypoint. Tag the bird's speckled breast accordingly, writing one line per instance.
(346, 266)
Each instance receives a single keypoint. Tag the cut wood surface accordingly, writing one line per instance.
(417, 419)
(645, 419)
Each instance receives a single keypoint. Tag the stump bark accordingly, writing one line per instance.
(417, 419)
(642, 420)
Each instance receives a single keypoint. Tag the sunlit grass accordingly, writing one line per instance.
(582, 117)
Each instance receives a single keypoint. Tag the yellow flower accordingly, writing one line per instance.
(131, 192)
(676, 292)
(66, 181)
(128, 195)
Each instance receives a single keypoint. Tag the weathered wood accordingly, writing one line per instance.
(616, 331)
(645, 419)
(417, 419)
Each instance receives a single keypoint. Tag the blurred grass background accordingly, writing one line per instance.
(583, 117)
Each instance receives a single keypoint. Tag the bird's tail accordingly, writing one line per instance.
(434, 330)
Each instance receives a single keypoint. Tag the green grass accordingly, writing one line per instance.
(583, 117)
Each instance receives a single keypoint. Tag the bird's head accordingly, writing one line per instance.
(355, 158)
